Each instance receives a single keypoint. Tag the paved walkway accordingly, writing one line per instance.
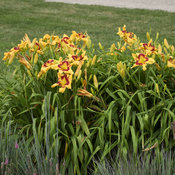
(168, 5)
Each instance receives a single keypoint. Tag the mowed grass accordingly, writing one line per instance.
(37, 18)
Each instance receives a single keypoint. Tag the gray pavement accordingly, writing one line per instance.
(167, 5)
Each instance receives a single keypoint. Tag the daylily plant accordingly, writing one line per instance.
(67, 55)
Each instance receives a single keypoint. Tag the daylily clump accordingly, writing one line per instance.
(69, 56)
(142, 54)
(66, 52)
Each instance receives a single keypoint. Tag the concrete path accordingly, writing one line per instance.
(168, 5)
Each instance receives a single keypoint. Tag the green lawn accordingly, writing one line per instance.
(36, 18)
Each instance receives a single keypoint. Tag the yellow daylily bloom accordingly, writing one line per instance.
(148, 48)
(42, 43)
(6, 56)
(64, 81)
(50, 64)
(55, 40)
(79, 56)
(73, 37)
(10, 55)
(23, 45)
(171, 62)
(128, 37)
(65, 47)
(66, 39)
(77, 36)
(142, 60)
(86, 42)
(123, 48)
(64, 67)
(46, 37)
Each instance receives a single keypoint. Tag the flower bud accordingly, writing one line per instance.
(157, 88)
(35, 58)
(159, 49)
(79, 74)
(93, 60)
(166, 43)
(95, 82)
(148, 36)
(121, 69)
(100, 46)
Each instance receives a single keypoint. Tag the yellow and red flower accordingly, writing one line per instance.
(66, 45)
(65, 39)
(128, 37)
(171, 62)
(10, 55)
(65, 66)
(77, 36)
(148, 48)
(79, 56)
(64, 81)
(48, 65)
(46, 37)
(142, 60)
(55, 40)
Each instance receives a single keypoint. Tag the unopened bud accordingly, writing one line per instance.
(166, 43)
(93, 60)
(148, 36)
(159, 49)
(100, 46)
(35, 58)
(95, 82)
